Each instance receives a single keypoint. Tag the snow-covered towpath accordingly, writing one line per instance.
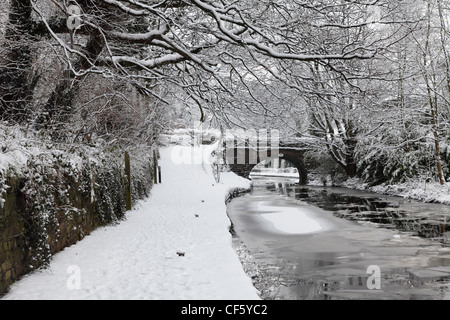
(137, 259)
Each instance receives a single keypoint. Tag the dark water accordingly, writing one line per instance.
(405, 241)
(423, 219)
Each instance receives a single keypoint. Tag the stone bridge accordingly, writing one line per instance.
(243, 154)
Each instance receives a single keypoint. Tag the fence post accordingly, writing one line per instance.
(128, 174)
(155, 168)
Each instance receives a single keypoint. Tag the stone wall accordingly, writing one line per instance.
(67, 207)
(12, 242)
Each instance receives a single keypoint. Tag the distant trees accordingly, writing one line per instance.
(433, 60)
(409, 135)
(339, 94)
(386, 118)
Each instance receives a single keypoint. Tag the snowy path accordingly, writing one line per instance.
(137, 259)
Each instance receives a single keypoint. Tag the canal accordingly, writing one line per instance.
(320, 243)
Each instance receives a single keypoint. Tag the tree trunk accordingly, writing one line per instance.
(432, 99)
(55, 112)
(350, 168)
(437, 149)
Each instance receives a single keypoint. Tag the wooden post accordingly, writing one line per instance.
(128, 187)
(155, 168)
(159, 173)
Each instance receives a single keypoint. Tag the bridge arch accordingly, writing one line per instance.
(295, 157)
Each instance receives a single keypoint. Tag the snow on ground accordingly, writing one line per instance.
(141, 258)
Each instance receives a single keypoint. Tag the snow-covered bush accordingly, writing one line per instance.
(395, 165)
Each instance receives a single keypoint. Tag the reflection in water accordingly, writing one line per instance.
(423, 219)
(408, 241)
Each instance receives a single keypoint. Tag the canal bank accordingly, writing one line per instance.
(340, 260)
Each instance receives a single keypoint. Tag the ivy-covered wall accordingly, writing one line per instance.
(12, 239)
(46, 208)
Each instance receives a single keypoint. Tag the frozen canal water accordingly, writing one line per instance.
(330, 243)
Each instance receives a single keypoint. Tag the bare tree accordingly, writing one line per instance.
(235, 61)
(199, 36)
(431, 46)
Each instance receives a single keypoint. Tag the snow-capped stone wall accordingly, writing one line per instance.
(49, 204)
